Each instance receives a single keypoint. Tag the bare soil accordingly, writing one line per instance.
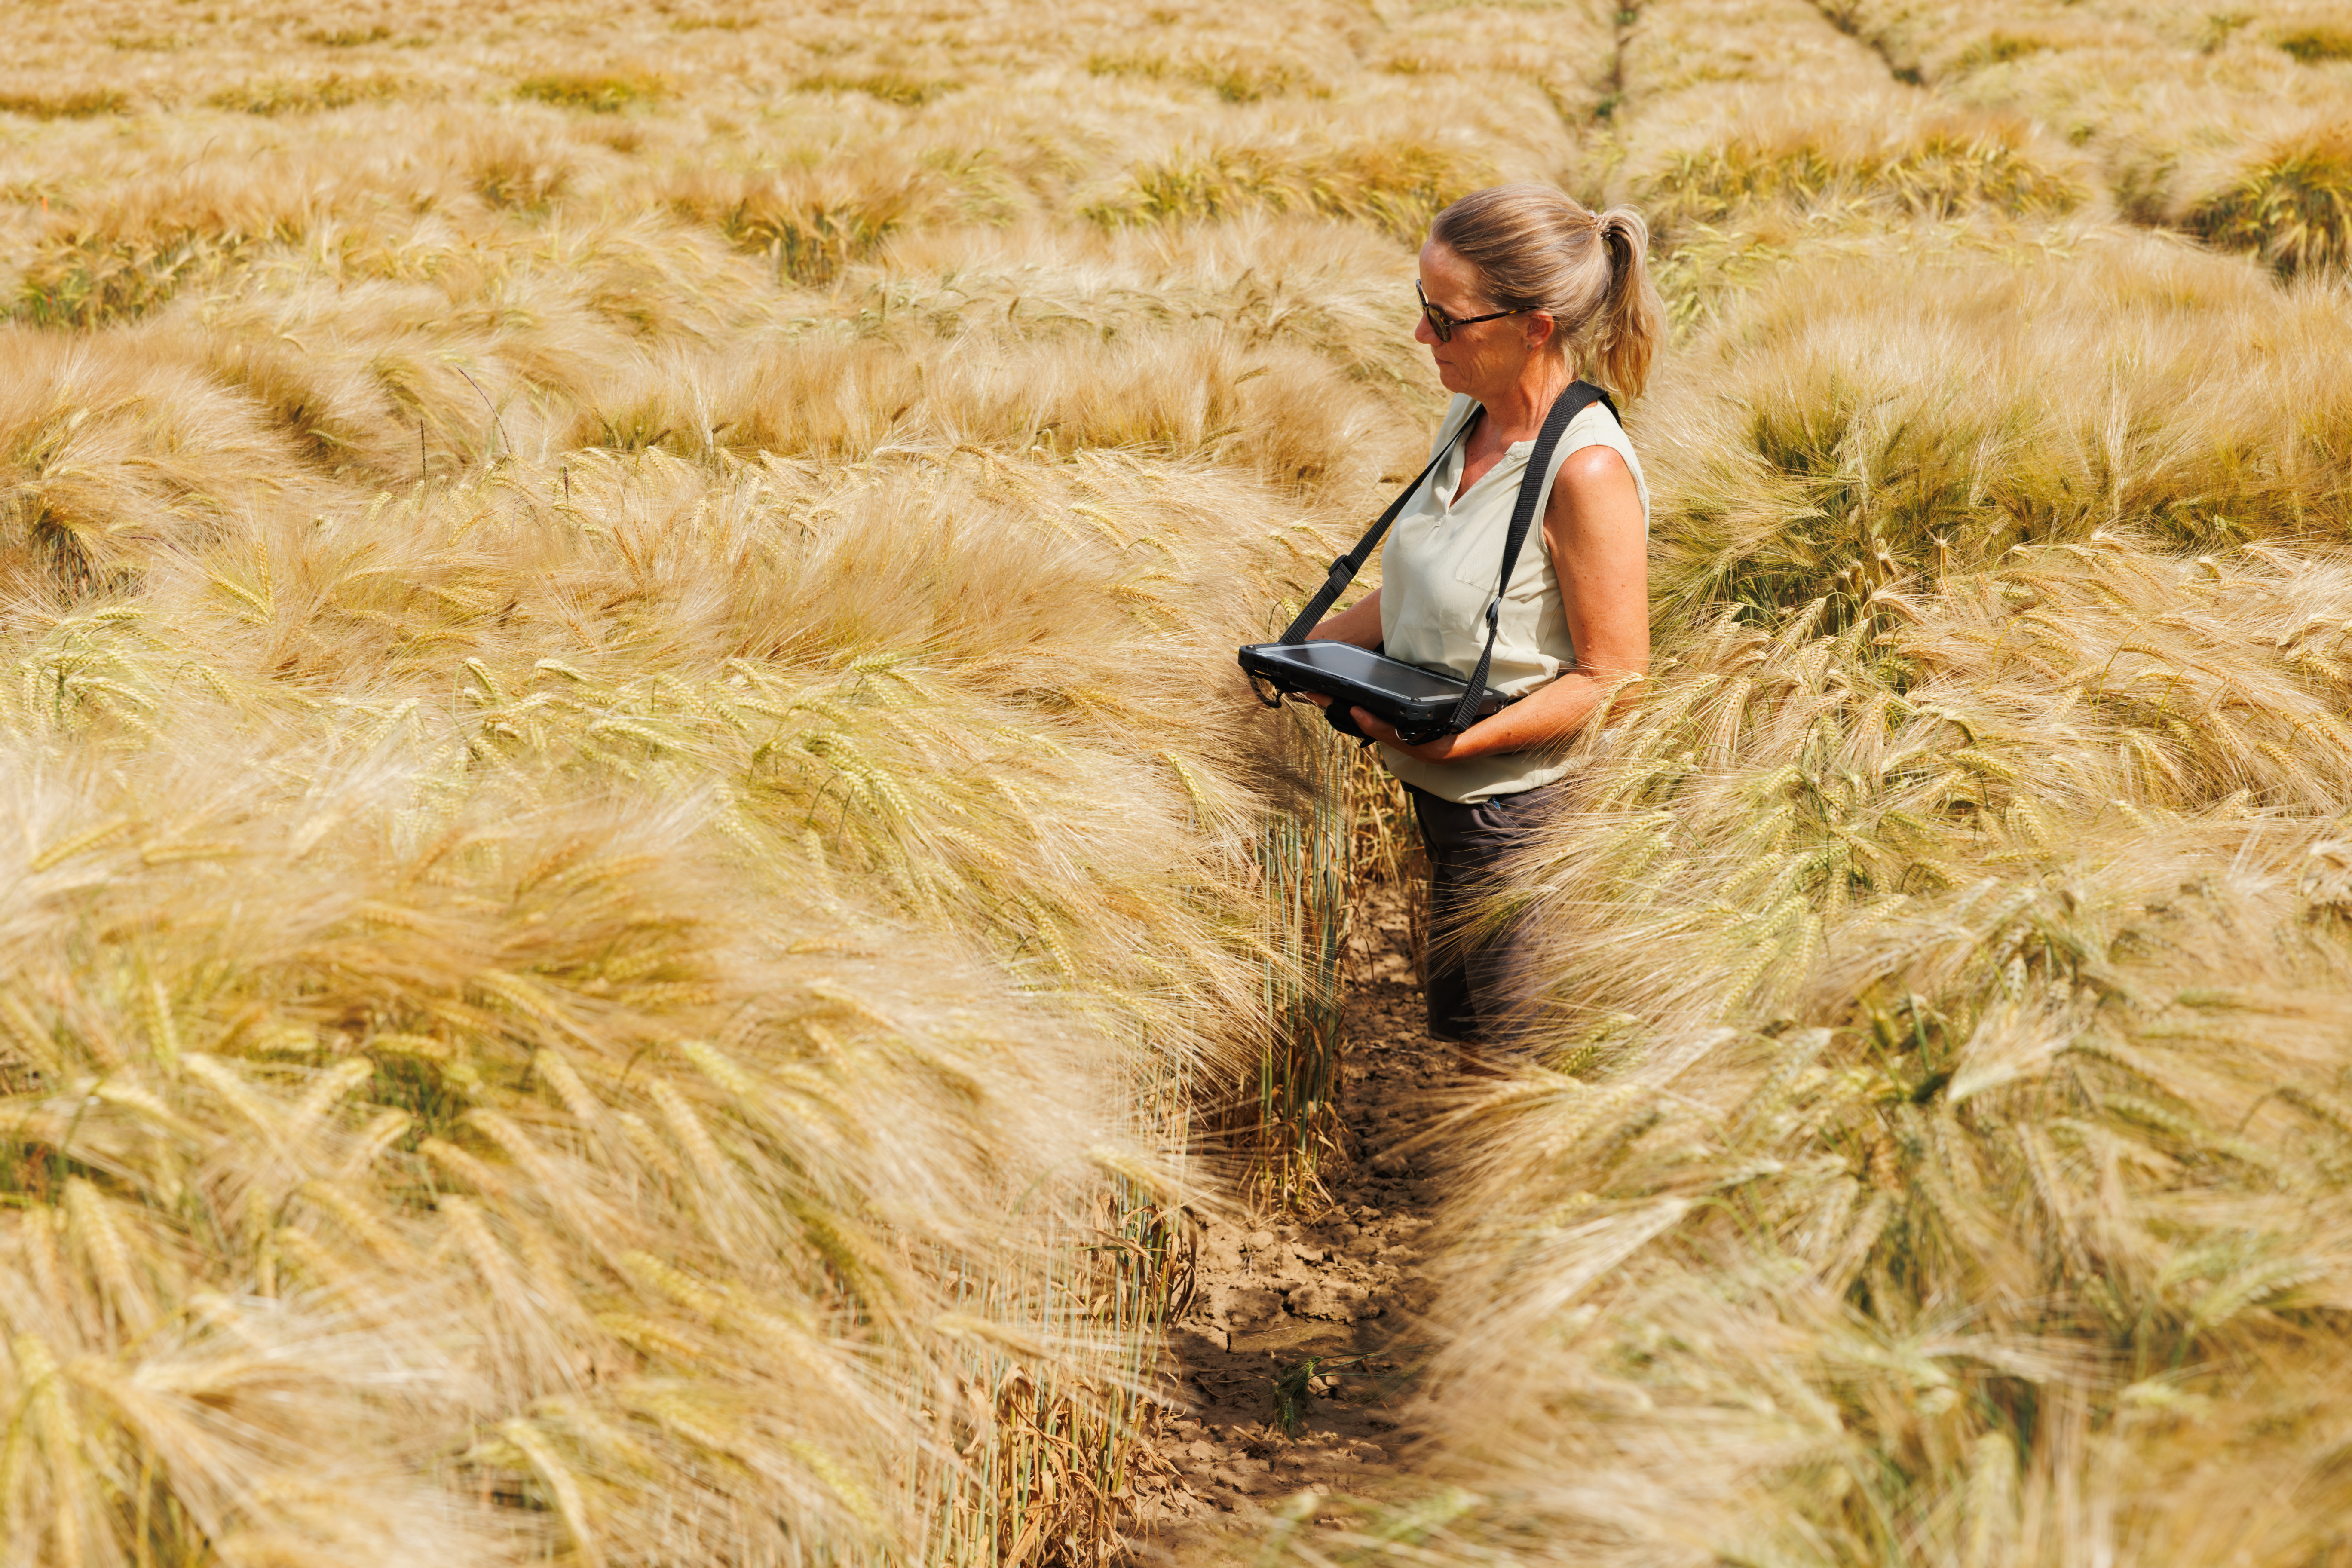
(1294, 1365)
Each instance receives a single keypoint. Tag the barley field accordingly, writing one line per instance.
(642, 887)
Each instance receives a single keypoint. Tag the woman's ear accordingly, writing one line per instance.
(1540, 327)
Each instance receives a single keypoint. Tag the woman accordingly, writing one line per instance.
(1522, 289)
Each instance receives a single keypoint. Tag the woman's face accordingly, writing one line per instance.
(1481, 360)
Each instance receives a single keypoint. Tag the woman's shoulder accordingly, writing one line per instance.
(1596, 416)
(1595, 425)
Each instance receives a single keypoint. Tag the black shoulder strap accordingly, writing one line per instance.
(1580, 397)
(1344, 570)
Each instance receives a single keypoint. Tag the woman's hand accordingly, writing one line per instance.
(1445, 749)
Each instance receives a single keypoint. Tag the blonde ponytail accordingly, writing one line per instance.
(1625, 339)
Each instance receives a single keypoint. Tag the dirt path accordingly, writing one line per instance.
(1291, 1368)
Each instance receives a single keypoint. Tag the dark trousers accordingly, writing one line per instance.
(1470, 984)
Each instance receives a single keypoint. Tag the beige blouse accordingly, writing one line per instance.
(1438, 570)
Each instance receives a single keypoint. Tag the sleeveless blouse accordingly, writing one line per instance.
(1438, 570)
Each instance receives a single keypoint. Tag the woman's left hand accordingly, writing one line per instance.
(1445, 749)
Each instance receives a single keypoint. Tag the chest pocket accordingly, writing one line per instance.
(1480, 563)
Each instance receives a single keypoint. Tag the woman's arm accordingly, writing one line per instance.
(1359, 622)
(1600, 551)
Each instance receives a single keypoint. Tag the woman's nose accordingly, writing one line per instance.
(1423, 332)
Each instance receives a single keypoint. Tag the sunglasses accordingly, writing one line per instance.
(1443, 324)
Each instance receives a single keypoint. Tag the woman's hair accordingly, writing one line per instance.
(1537, 249)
